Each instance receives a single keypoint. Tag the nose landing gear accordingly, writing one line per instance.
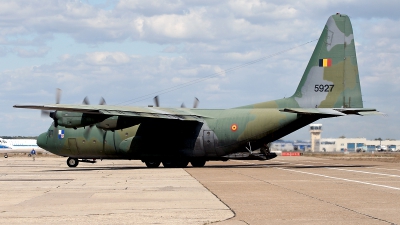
(72, 162)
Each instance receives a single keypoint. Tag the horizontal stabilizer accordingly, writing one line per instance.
(361, 112)
(324, 112)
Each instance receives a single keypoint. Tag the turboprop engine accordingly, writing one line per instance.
(75, 119)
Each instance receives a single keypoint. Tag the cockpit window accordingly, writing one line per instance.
(50, 133)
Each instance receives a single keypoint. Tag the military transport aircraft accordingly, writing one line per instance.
(330, 87)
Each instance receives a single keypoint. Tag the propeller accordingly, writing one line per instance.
(87, 102)
(89, 128)
(47, 113)
(58, 95)
(195, 103)
(156, 101)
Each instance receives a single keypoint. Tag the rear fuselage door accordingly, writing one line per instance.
(208, 142)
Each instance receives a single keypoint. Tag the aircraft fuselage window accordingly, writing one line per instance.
(50, 133)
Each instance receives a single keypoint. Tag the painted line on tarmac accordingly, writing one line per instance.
(357, 171)
(308, 195)
(335, 178)
(339, 164)
(344, 179)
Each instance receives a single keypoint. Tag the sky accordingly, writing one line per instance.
(128, 51)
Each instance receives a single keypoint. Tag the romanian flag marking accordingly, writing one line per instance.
(325, 62)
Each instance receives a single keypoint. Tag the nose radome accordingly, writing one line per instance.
(41, 140)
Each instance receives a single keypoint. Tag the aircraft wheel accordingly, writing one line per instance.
(198, 163)
(168, 164)
(29, 155)
(72, 162)
(181, 164)
(152, 164)
(5, 156)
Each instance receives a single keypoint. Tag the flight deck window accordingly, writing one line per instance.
(50, 133)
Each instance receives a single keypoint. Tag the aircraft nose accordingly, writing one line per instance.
(42, 140)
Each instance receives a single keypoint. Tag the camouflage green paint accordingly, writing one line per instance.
(336, 43)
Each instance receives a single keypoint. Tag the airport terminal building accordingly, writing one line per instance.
(337, 145)
(318, 144)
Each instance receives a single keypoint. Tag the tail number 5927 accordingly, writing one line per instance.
(323, 88)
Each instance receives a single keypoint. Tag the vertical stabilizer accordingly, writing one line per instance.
(331, 78)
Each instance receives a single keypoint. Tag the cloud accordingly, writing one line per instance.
(107, 58)
(192, 40)
(29, 53)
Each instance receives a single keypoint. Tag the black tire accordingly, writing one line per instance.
(72, 162)
(152, 164)
(198, 163)
(5, 156)
(168, 164)
(181, 164)
(29, 155)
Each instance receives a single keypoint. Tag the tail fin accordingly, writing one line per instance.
(331, 78)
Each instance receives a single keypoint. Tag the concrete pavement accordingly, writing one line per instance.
(47, 191)
(305, 190)
(285, 190)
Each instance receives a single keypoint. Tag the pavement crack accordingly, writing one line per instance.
(233, 211)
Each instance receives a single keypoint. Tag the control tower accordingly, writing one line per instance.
(315, 131)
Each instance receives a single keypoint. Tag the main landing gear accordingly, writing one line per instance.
(198, 163)
(152, 164)
(175, 163)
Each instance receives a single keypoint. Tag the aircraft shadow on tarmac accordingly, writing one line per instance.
(286, 166)
(250, 166)
(98, 168)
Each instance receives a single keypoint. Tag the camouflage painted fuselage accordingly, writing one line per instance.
(221, 132)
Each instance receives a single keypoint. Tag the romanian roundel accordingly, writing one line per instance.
(234, 127)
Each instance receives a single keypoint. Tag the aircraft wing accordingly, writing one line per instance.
(128, 111)
(333, 112)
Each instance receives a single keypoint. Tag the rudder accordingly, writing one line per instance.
(331, 78)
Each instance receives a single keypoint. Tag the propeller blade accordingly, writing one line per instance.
(183, 105)
(196, 103)
(156, 101)
(45, 113)
(102, 101)
(87, 131)
(86, 101)
(58, 95)
(89, 128)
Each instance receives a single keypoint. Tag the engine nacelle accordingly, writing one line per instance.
(118, 122)
(76, 119)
